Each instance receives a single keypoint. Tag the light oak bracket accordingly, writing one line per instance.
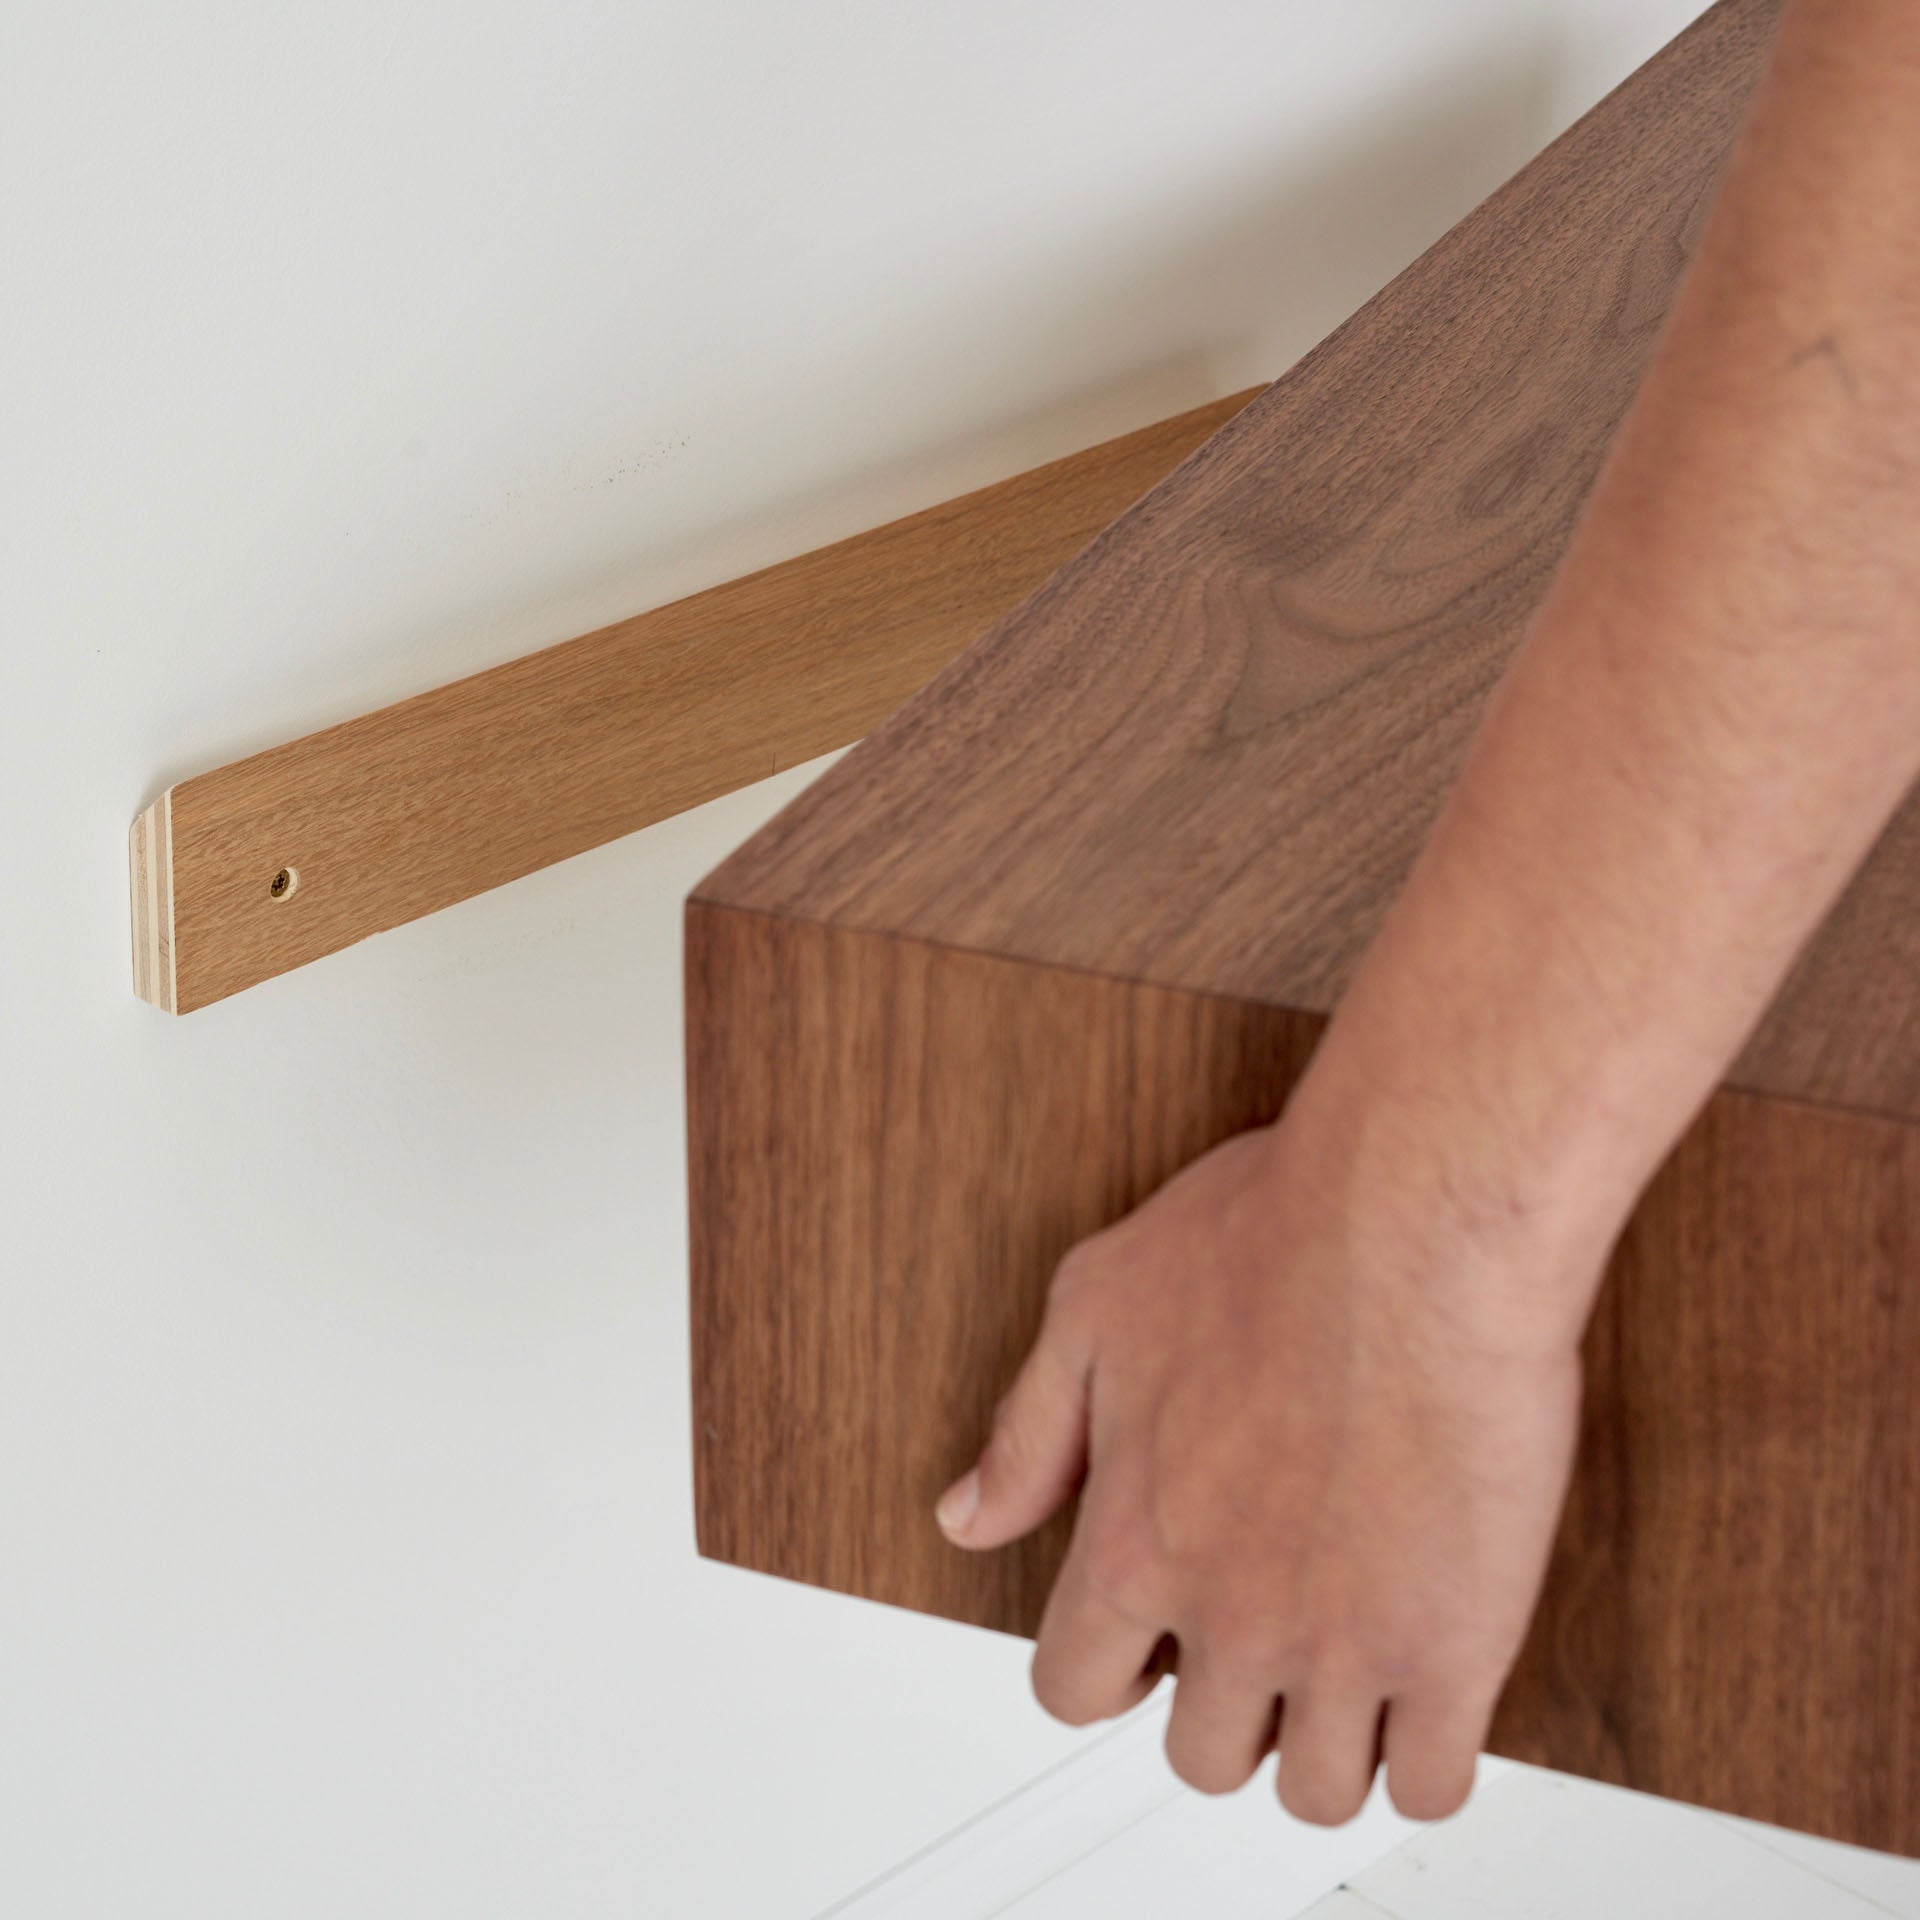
(278, 859)
(1081, 908)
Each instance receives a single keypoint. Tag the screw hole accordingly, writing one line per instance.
(283, 883)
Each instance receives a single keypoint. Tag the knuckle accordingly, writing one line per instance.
(1385, 1633)
(1273, 1626)
(1439, 1651)
(1070, 1292)
(1258, 1642)
(1124, 1569)
(1006, 1433)
(1350, 1666)
(1394, 1654)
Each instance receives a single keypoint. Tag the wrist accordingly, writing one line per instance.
(1526, 1043)
(1502, 1226)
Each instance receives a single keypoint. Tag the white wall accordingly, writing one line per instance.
(345, 1553)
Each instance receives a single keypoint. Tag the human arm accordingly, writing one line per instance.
(1323, 1387)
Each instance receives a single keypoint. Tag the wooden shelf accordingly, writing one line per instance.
(1078, 911)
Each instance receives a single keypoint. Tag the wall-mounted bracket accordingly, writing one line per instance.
(278, 859)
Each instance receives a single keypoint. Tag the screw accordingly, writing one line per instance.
(282, 883)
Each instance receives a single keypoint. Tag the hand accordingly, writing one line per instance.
(1325, 1429)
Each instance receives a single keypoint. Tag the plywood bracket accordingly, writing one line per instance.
(278, 859)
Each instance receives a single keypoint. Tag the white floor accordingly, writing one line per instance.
(1538, 1846)
(1108, 1832)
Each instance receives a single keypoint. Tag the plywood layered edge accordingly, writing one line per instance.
(149, 850)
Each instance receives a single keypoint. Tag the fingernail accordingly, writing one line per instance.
(957, 1504)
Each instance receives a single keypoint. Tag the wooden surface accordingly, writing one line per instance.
(442, 796)
(149, 845)
(1207, 754)
(893, 1143)
(1733, 1609)
(1078, 911)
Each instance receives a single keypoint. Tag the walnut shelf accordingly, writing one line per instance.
(1078, 911)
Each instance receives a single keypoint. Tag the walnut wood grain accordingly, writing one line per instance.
(1733, 1609)
(1208, 752)
(426, 802)
(893, 1143)
(891, 1146)
(1079, 910)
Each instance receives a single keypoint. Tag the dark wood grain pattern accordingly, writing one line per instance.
(1079, 910)
(893, 1143)
(1732, 1610)
(1207, 753)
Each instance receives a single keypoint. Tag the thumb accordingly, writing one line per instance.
(1034, 1456)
